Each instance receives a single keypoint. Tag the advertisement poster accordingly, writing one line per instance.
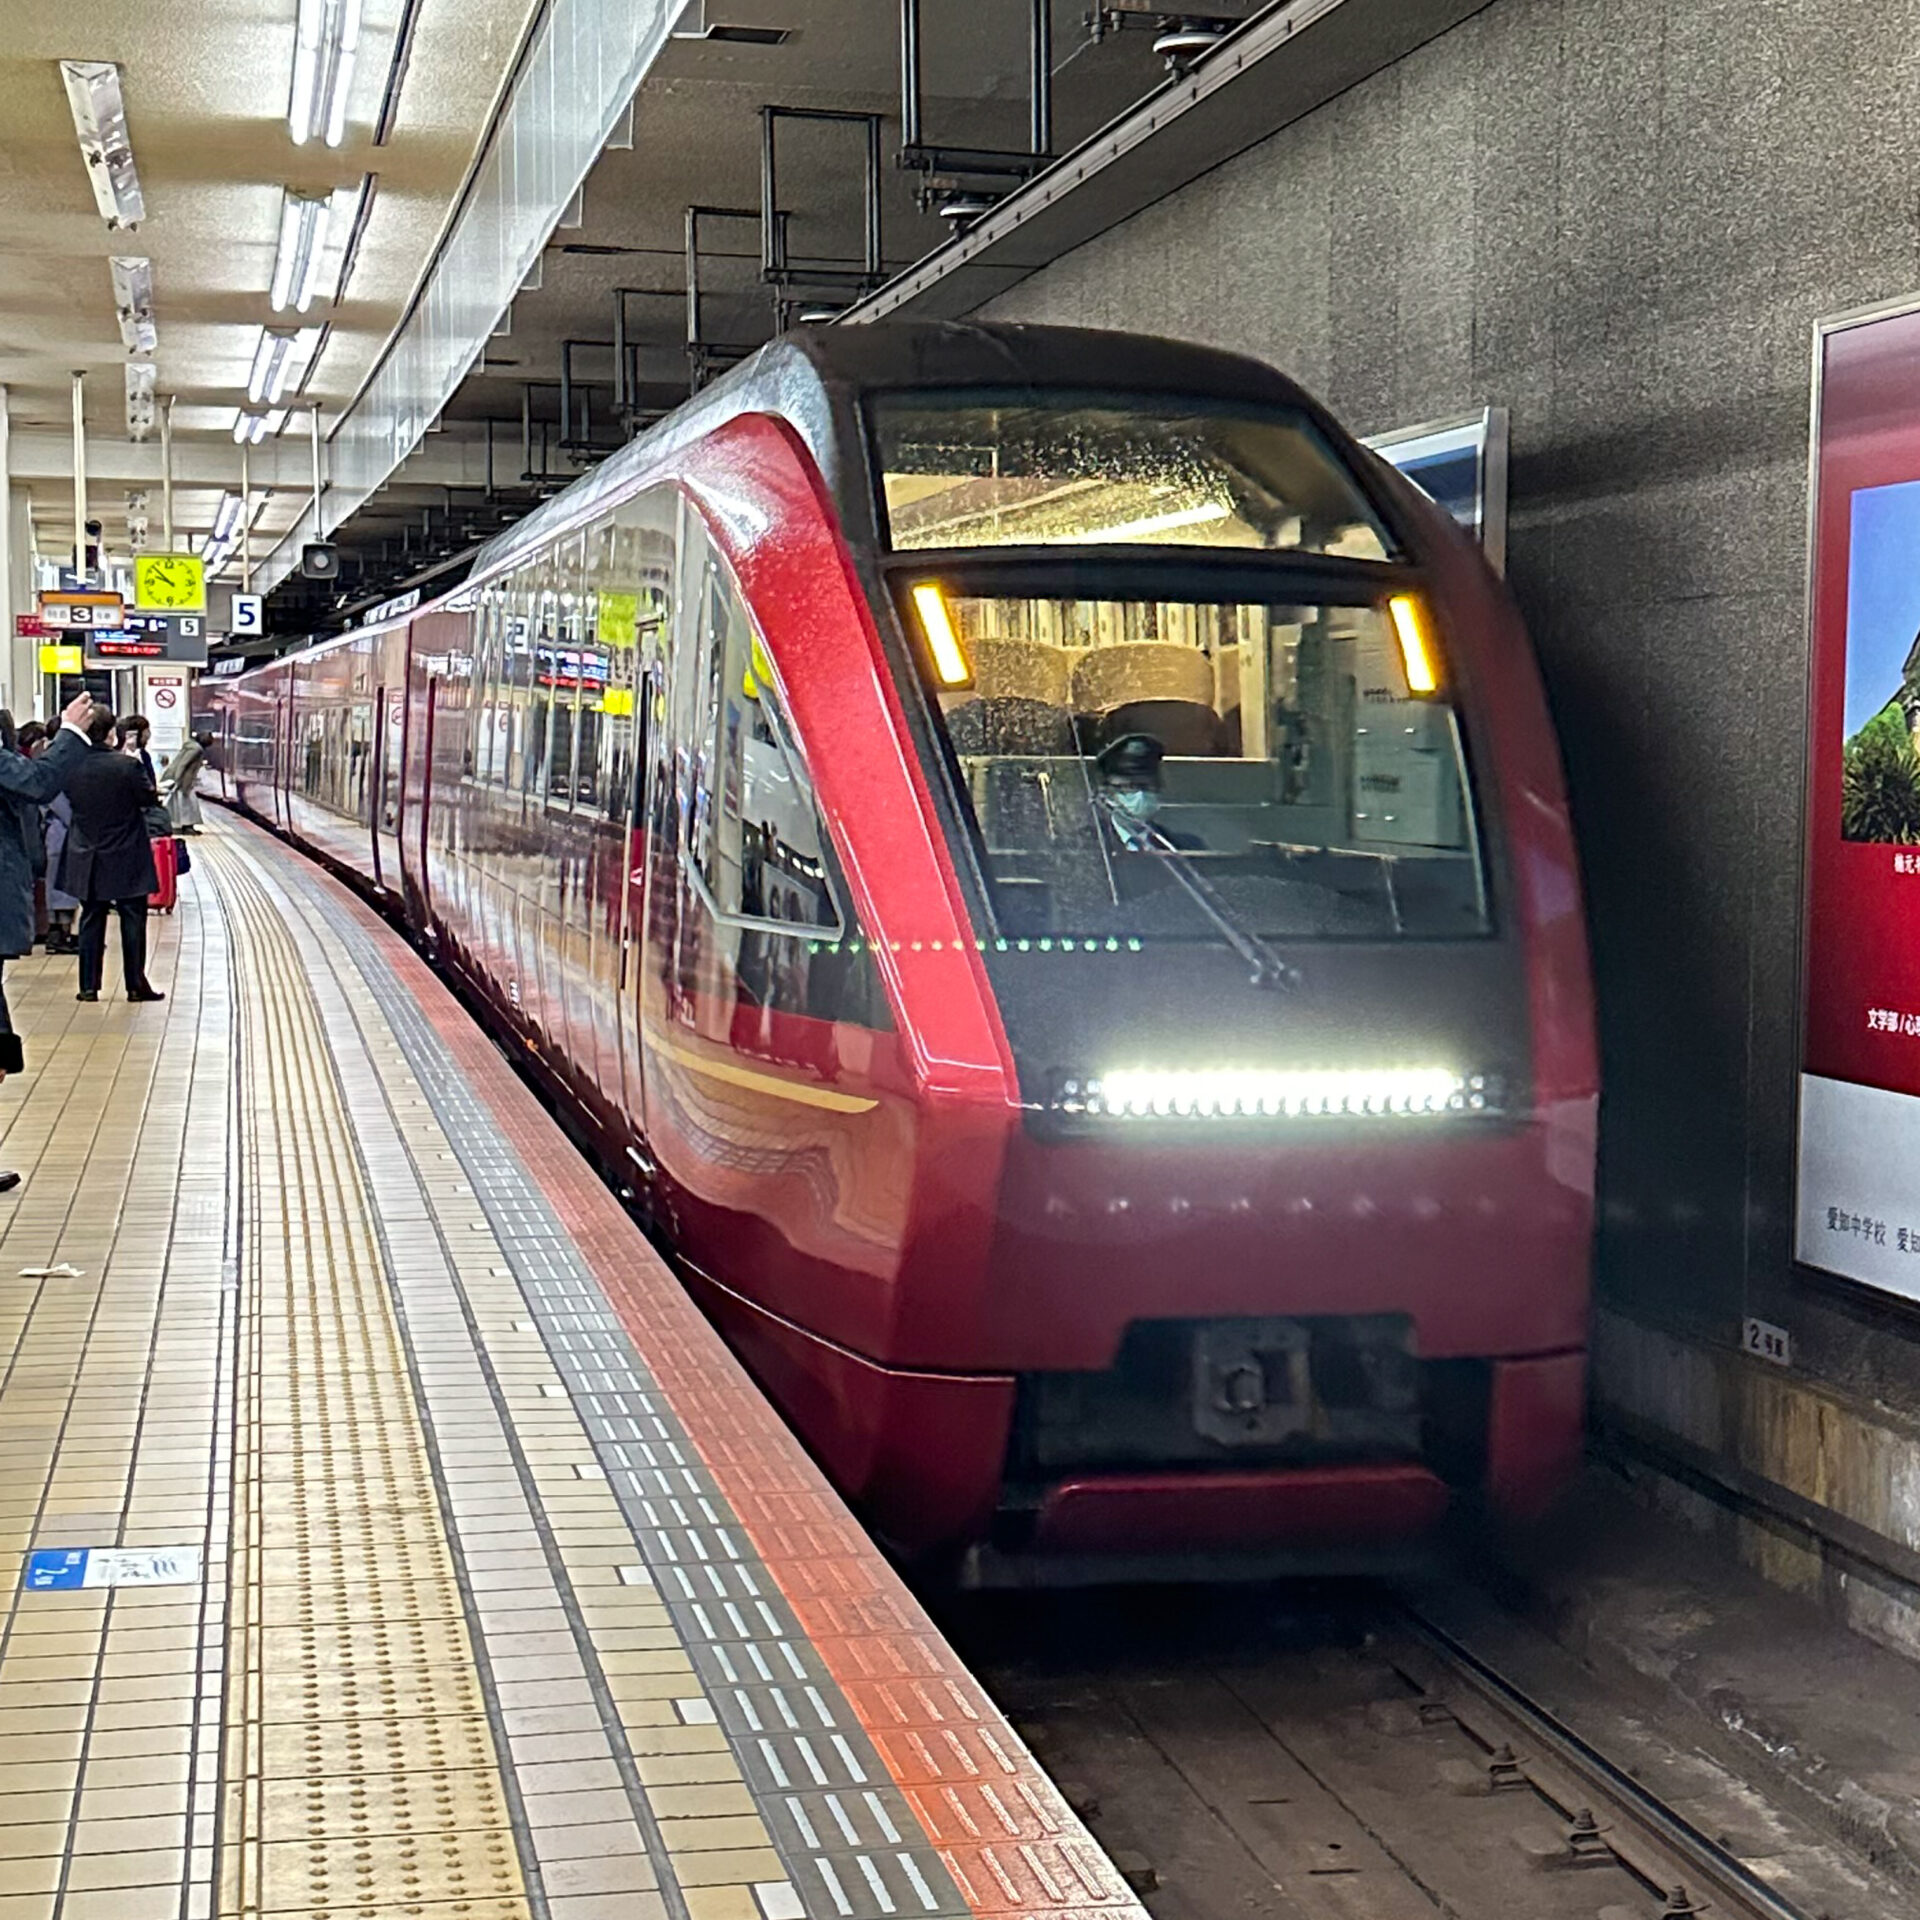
(1858, 1176)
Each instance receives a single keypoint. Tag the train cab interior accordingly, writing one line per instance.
(1305, 757)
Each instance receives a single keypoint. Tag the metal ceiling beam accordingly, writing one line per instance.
(446, 459)
(1273, 71)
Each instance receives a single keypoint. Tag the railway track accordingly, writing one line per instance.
(1350, 1758)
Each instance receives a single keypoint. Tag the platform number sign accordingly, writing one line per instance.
(169, 583)
(1765, 1341)
(247, 622)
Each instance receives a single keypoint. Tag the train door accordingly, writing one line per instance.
(389, 755)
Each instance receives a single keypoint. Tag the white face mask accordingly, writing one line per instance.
(1141, 802)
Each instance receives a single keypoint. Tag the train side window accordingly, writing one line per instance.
(484, 685)
(632, 600)
(546, 652)
(516, 679)
(758, 836)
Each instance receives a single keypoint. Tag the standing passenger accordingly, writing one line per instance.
(132, 736)
(182, 775)
(25, 785)
(109, 860)
(63, 910)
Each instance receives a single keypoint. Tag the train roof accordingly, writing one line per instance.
(961, 353)
(813, 373)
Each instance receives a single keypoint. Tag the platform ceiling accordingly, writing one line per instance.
(206, 90)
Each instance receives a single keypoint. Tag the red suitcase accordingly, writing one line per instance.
(166, 863)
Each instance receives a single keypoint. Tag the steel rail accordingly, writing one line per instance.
(1715, 1869)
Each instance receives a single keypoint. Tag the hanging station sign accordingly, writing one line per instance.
(1857, 1177)
(83, 612)
(1461, 464)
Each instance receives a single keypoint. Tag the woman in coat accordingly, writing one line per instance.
(25, 787)
(63, 910)
(179, 778)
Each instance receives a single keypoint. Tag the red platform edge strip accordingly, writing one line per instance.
(1008, 1838)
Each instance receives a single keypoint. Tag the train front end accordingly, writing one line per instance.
(1240, 758)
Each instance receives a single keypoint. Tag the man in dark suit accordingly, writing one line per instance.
(108, 860)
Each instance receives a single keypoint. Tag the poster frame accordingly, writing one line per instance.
(1824, 329)
(1485, 432)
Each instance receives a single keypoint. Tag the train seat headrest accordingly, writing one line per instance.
(1021, 670)
(1141, 670)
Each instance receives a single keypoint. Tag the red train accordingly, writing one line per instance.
(1044, 867)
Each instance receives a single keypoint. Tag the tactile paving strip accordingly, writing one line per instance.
(794, 1737)
(362, 1778)
(529, 1539)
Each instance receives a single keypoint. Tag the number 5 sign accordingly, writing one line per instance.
(247, 621)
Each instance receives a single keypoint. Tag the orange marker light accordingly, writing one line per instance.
(949, 662)
(1410, 624)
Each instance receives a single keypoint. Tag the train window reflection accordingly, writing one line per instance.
(972, 470)
(1278, 753)
(756, 830)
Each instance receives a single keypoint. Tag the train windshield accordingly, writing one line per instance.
(1183, 769)
(973, 470)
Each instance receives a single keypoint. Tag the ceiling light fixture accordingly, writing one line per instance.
(326, 42)
(141, 407)
(100, 119)
(303, 242)
(315, 230)
(249, 429)
(279, 352)
(226, 520)
(133, 302)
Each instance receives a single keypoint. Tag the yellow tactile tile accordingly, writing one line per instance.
(362, 1775)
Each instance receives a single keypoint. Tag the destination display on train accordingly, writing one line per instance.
(1858, 1172)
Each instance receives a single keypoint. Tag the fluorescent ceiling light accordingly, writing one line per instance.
(314, 232)
(249, 429)
(277, 356)
(226, 519)
(141, 375)
(133, 302)
(296, 260)
(1154, 523)
(326, 42)
(100, 119)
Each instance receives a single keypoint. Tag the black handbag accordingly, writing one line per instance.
(182, 859)
(159, 822)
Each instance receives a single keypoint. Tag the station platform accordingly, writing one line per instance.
(385, 1533)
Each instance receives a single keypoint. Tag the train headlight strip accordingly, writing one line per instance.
(1153, 1093)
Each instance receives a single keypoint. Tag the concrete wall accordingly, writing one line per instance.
(1620, 219)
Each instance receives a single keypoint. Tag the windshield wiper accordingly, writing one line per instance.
(1142, 836)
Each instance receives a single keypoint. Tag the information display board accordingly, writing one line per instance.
(1857, 1205)
(1461, 464)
